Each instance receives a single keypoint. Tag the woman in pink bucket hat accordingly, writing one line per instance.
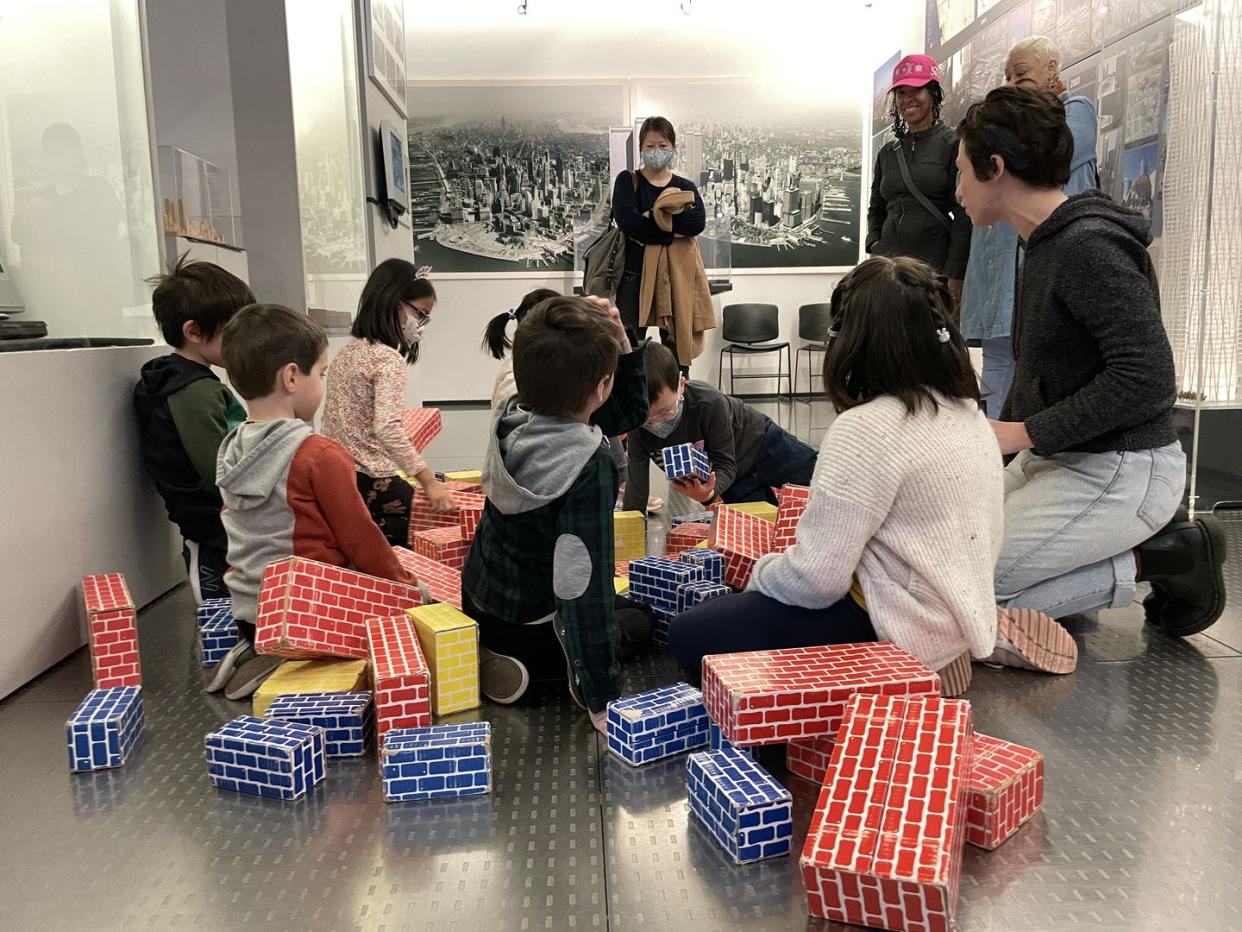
(913, 210)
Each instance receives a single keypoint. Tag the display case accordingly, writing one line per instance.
(197, 198)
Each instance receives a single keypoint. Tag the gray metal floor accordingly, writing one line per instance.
(1141, 828)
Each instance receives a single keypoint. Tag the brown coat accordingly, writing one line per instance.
(674, 294)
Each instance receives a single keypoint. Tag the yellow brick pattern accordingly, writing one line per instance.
(465, 475)
(311, 676)
(765, 510)
(450, 643)
(629, 530)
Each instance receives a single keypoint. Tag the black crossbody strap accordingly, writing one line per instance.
(914, 189)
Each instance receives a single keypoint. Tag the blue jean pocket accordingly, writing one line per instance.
(1165, 488)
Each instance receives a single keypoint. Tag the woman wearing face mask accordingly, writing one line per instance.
(634, 197)
(914, 212)
(366, 396)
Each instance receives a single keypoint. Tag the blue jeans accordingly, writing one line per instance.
(997, 373)
(783, 460)
(1072, 522)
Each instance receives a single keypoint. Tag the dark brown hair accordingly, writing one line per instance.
(662, 370)
(1024, 127)
(657, 124)
(264, 338)
(495, 336)
(196, 291)
(392, 284)
(900, 127)
(889, 315)
(560, 352)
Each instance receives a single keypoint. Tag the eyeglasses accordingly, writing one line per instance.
(420, 316)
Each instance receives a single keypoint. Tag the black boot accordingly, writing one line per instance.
(1153, 605)
(1183, 562)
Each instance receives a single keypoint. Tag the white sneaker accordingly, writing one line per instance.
(224, 669)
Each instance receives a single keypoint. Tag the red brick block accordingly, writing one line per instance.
(792, 499)
(442, 581)
(809, 759)
(422, 518)
(112, 629)
(686, 537)
(471, 511)
(771, 696)
(741, 539)
(884, 848)
(310, 609)
(1006, 788)
(399, 676)
(622, 568)
(422, 425)
(445, 545)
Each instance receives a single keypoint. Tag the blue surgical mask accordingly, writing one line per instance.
(665, 428)
(658, 159)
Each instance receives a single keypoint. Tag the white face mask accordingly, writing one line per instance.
(412, 330)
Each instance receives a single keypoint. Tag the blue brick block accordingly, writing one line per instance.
(712, 562)
(697, 517)
(718, 742)
(685, 460)
(658, 723)
(218, 635)
(266, 757)
(437, 762)
(654, 581)
(347, 719)
(213, 609)
(104, 728)
(741, 805)
(691, 594)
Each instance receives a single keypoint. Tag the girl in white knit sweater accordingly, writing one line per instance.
(904, 524)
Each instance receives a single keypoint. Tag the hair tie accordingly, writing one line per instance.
(943, 335)
(512, 313)
(423, 271)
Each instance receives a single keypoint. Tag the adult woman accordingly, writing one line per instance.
(634, 197)
(1099, 470)
(987, 295)
(913, 211)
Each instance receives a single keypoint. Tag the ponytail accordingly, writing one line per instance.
(496, 339)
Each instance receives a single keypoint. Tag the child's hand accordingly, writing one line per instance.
(695, 488)
(599, 721)
(623, 338)
(440, 498)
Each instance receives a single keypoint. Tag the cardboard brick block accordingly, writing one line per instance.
(745, 810)
(711, 561)
(691, 594)
(450, 645)
(772, 696)
(439, 762)
(310, 609)
(302, 677)
(655, 582)
(422, 425)
(471, 512)
(621, 585)
(422, 518)
(217, 636)
(401, 681)
(884, 848)
(265, 757)
(741, 539)
(793, 501)
(212, 609)
(104, 728)
(629, 531)
(695, 517)
(443, 582)
(112, 628)
(622, 568)
(447, 545)
(658, 723)
(764, 510)
(468, 480)
(685, 537)
(347, 719)
(809, 759)
(685, 461)
(1006, 788)
(716, 740)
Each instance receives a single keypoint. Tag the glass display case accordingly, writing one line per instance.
(196, 198)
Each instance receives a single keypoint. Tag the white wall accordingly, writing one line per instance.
(74, 498)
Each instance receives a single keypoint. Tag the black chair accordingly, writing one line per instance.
(747, 330)
(814, 322)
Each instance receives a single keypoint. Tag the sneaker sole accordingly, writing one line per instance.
(245, 687)
(502, 679)
(224, 670)
(1040, 641)
(1218, 552)
(956, 676)
(575, 691)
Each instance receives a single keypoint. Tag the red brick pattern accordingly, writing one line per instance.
(809, 759)
(444, 582)
(741, 539)
(885, 844)
(445, 545)
(422, 425)
(765, 697)
(422, 518)
(622, 569)
(112, 628)
(685, 537)
(399, 676)
(793, 499)
(471, 511)
(1006, 787)
(310, 609)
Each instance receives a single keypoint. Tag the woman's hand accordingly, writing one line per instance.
(1011, 436)
(700, 490)
(955, 289)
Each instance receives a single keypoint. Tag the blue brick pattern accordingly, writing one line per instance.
(718, 742)
(712, 562)
(658, 723)
(347, 719)
(654, 581)
(745, 810)
(696, 517)
(265, 757)
(218, 636)
(104, 728)
(438, 762)
(684, 460)
(691, 594)
(212, 609)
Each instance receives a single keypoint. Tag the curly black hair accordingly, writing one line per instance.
(900, 129)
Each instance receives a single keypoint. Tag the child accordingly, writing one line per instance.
(539, 578)
(749, 452)
(366, 396)
(497, 342)
(287, 489)
(901, 533)
(185, 411)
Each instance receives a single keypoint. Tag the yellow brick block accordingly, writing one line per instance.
(765, 510)
(465, 475)
(450, 643)
(629, 531)
(311, 676)
(621, 584)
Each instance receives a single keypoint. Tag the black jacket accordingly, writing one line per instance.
(1094, 369)
(898, 225)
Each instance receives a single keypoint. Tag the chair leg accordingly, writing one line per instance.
(720, 370)
(795, 386)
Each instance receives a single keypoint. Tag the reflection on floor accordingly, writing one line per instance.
(1141, 829)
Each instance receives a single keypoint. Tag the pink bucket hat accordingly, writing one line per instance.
(915, 71)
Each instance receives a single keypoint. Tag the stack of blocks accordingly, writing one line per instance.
(695, 517)
(658, 723)
(629, 531)
(437, 763)
(885, 844)
(686, 461)
(104, 728)
(691, 594)
(112, 626)
(710, 560)
(468, 480)
(399, 676)
(310, 609)
(809, 759)
(447, 545)
(655, 582)
(217, 630)
(747, 811)
(741, 538)
(347, 719)
(266, 757)
(212, 609)
(301, 677)
(686, 537)
(443, 582)
(1006, 788)
(422, 425)
(450, 645)
(423, 518)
